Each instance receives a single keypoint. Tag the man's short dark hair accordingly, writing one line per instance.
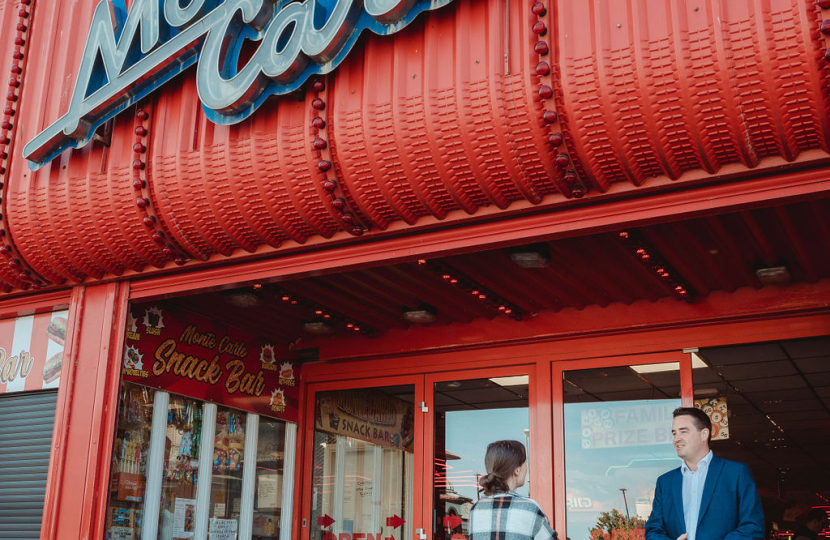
(699, 418)
(816, 513)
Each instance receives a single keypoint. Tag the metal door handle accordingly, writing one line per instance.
(421, 534)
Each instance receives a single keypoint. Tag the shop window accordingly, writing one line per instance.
(188, 469)
(769, 404)
(617, 442)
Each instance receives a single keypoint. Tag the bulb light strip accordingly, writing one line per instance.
(649, 257)
(324, 314)
(27, 279)
(339, 205)
(565, 176)
(476, 290)
(141, 184)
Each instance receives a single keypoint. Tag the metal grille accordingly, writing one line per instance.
(26, 422)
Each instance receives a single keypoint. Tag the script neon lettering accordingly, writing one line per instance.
(297, 39)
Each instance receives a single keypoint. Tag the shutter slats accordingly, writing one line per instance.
(26, 422)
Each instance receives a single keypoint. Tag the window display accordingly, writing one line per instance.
(181, 469)
(204, 431)
(129, 463)
(226, 515)
(226, 485)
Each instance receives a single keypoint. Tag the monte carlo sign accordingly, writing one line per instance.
(127, 56)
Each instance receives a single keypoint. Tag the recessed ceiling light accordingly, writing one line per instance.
(318, 327)
(424, 314)
(773, 275)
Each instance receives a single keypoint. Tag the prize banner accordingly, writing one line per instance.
(191, 355)
(626, 423)
(31, 351)
(370, 416)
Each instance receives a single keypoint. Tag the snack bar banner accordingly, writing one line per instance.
(187, 354)
(370, 416)
(31, 351)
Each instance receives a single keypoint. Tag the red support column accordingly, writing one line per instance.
(77, 486)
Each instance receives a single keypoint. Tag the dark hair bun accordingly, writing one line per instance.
(492, 483)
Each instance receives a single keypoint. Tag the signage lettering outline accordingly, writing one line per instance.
(128, 56)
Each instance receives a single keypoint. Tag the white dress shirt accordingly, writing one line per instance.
(693, 482)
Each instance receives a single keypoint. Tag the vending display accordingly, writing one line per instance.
(129, 463)
(181, 469)
(226, 483)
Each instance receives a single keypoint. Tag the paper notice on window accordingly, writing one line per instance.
(222, 529)
(269, 490)
(121, 533)
(184, 518)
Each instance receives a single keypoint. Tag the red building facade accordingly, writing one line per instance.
(561, 191)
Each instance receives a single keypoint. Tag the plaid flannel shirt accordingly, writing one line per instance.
(509, 516)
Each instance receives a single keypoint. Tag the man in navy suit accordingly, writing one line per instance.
(706, 498)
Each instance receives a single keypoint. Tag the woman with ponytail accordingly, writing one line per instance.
(503, 514)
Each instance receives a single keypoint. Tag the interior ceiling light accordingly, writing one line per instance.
(243, 299)
(518, 380)
(424, 314)
(773, 275)
(532, 256)
(697, 362)
(318, 328)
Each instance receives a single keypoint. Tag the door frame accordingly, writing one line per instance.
(538, 420)
(304, 479)
(557, 369)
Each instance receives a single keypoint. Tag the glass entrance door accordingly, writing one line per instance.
(364, 454)
(617, 427)
(467, 412)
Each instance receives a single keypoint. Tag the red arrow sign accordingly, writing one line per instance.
(395, 521)
(452, 521)
(325, 521)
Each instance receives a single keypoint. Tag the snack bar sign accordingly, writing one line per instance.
(187, 354)
(129, 55)
(31, 351)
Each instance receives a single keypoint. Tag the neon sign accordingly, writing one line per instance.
(127, 56)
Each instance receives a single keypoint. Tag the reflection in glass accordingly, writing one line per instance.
(125, 514)
(181, 469)
(469, 415)
(363, 459)
(617, 442)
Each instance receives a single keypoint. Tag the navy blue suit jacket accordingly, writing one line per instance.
(730, 508)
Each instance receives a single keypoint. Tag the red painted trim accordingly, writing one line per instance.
(60, 432)
(541, 423)
(297, 530)
(31, 304)
(558, 449)
(686, 385)
(78, 482)
(506, 228)
(109, 379)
